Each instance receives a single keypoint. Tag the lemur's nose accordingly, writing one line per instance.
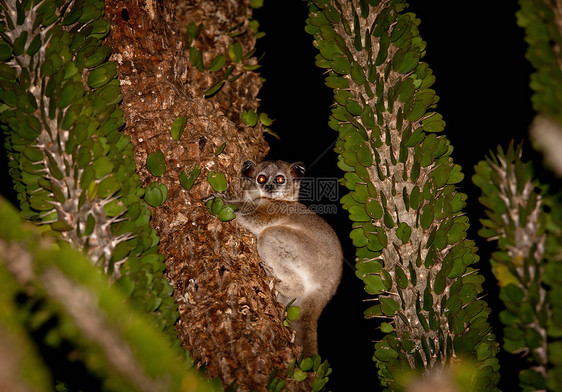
(269, 187)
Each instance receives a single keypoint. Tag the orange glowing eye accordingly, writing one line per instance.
(262, 179)
(280, 179)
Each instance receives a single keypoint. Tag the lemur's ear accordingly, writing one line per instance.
(297, 170)
(248, 169)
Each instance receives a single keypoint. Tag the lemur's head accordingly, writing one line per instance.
(273, 179)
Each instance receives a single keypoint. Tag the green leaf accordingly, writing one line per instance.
(293, 313)
(121, 251)
(193, 31)
(368, 117)
(427, 299)
(270, 132)
(114, 208)
(235, 52)
(383, 352)
(441, 174)
(249, 117)
(353, 107)
(226, 213)
(357, 73)
(358, 214)
(214, 89)
(426, 218)
(410, 61)
(7, 72)
(218, 62)
(102, 75)
(407, 90)
(387, 219)
(403, 232)
(359, 239)
(300, 375)
(341, 65)
(368, 267)
(196, 58)
(306, 364)
(389, 306)
(372, 312)
(251, 67)
(102, 167)
(178, 126)
(40, 203)
(364, 155)
(433, 123)
(99, 56)
(214, 206)
(439, 283)
(5, 52)
(318, 384)
(108, 187)
(415, 198)
(374, 208)
(375, 243)
(100, 27)
(34, 154)
(332, 14)
(374, 284)
(400, 276)
(217, 180)
(256, 4)
(156, 194)
(186, 180)
(512, 294)
(68, 94)
(220, 149)
(19, 43)
(156, 163)
(337, 82)
(457, 232)
(386, 327)
(455, 175)
(34, 45)
(61, 226)
(265, 120)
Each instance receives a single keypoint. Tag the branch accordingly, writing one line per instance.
(408, 224)
(114, 341)
(516, 219)
(202, 75)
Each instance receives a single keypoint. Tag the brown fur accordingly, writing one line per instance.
(297, 247)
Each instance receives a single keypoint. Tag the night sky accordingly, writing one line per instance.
(477, 53)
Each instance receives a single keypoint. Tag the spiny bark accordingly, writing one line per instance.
(397, 179)
(408, 224)
(229, 318)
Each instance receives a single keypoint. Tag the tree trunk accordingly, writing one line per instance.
(229, 320)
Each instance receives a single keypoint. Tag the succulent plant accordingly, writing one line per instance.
(541, 20)
(408, 225)
(72, 167)
(523, 217)
(526, 268)
(84, 311)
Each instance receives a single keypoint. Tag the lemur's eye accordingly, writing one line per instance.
(280, 179)
(262, 179)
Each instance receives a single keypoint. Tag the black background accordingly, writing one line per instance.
(477, 53)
